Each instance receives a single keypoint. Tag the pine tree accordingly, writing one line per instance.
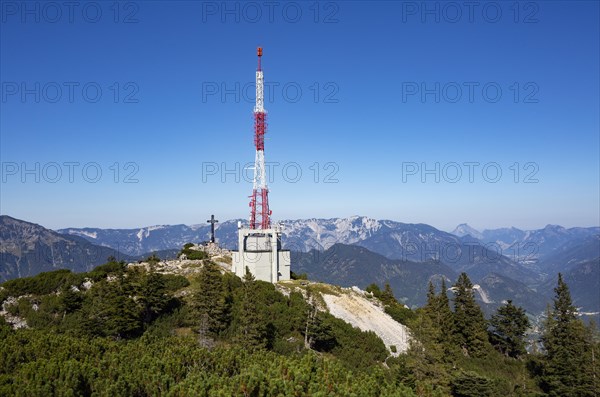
(210, 300)
(470, 331)
(252, 331)
(567, 349)
(374, 289)
(430, 295)
(311, 314)
(508, 330)
(468, 384)
(387, 296)
(440, 318)
(110, 311)
(426, 324)
(593, 352)
(426, 359)
(150, 292)
(444, 318)
(318, 334)
(70, 300)
(428, 354)
(430, 310)
(248, 276)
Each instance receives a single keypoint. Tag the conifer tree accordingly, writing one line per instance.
(70, 300)
(317, 333)
(387, 295)
(470, 332)
(110, 311)
(508, 330)
(567, 349)
(430, 310)
(150, 292)
(444, 316)
(428, 355)
(252, 331)
(440, 319)
(430, 295)
(426, 323)
(311, 314)
(374, 289)
(593, 352)
(210, 300)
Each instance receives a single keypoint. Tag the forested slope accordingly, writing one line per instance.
(130, 331)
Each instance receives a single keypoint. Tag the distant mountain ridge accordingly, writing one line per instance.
(350, 265)
(394, 240)
(505, 262)
(510, 252)
(348, 251)
(584, 282)
(27, 249)
(390, 238)
(531, 245)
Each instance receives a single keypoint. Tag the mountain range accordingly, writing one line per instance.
(530, 245)
(349, 265)
(27, 249)
(527, 256)
(504, 263)
(395, 240)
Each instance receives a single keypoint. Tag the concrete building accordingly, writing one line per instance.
(260, 251)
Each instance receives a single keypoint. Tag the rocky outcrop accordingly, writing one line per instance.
(355, 308)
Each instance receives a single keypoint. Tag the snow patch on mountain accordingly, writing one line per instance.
(145, 232)
(82, 233)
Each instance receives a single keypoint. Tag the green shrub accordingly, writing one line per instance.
(470, 384)
(152, 259)
(196, 255)
(400, 313)
(3, 295)
(300, 276)
(174, 282)
(100, 272)
(12, 309)
(192, 254)
(43, 283)
(374, 289)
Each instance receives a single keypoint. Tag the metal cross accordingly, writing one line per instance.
(212, 222)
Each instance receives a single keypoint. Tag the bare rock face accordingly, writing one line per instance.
(355, 308)
(15, 321)
(213, 249)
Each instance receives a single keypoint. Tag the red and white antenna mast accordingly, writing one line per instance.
(260, 215)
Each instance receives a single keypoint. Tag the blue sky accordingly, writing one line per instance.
(139, 113)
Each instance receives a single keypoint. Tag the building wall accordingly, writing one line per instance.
(262, 255)
(284, 265)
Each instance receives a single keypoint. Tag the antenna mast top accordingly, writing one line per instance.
(259, 53)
